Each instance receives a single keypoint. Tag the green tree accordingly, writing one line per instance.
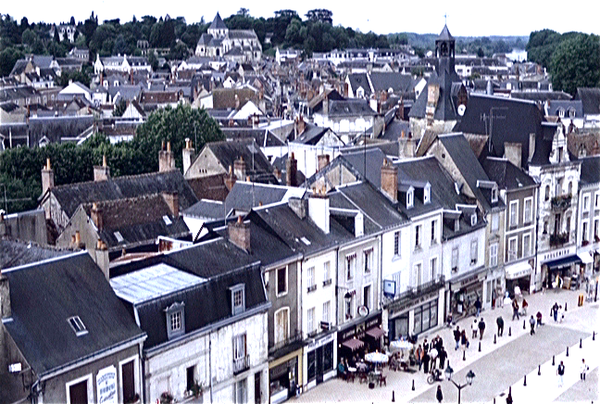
(8, 58)
(576, 63)
(541, 45)
(174, 125)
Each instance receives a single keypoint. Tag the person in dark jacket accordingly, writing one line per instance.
(442, 355)
(438, 394)
(481, 326)
(426, 359)
(457, 337)
(500, 324)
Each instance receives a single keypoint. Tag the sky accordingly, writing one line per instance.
(464, 18)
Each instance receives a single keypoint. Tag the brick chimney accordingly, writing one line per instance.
(78, 243)
(5, 309)
(239, 234)
(299, 125)
(230, 179)
(166, 160)
(318, 209)
(239, 168)
(188, 155)
(172, 199)
(102, 173)
(47, 177)
(389, 180)
(100, 256)
(323, 161)
(291, 171)
(96, 214)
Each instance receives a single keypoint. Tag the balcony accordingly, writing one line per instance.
(560, 203)
(559, 239)
(241, 364)
(415, 292)
(296, 337)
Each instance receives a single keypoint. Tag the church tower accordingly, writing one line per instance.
(445, 52)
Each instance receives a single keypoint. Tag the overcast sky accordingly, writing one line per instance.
(464, 18)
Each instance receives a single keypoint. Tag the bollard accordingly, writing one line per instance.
(567, 351)
(464, 357)
(413, 386)
(565, 306)
(539, 370)
(553, 360)
(525, 380)
(494, 338)
(509, 331)
(593, 335)
(580, 343)
(393, 397)
(479, 346)
(523, 324)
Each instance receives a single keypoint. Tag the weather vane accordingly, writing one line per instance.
(445, 18)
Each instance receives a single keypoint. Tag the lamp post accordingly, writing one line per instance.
(470, 376)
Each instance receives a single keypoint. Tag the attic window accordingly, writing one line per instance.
(473, 219)
(238, 299)
(167, 220)
(409, 199)
(175, 320)
(305, 240)
(119, 237)
(77, 325)
(427, 194)
(494, 195)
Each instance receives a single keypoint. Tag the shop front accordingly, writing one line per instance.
(284, 376)
(518, 275)
(562, 272)
(464, 291)
(360, 336)
(320, 358)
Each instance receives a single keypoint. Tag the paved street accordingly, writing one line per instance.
(502, 365)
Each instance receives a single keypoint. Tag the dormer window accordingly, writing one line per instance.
(175, 320)
(473, 219)
(494, 195)
(427, 194)
(561, 112)
(238, 299)
(410, 199)
(456, 224)
(77, 325)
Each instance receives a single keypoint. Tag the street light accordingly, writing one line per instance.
(470, 376)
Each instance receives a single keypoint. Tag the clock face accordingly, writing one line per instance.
(461, 109)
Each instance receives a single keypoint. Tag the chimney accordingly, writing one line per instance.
(291, 171)
(5, 310)
(230, 179)
(78, 243)
(239, 234)
(100, 256)
(512, 152)
(96, 214)
(239, 168)
(237, 102)
(389, 180)
(318, 209)
(47, 177)
(166, 161)
(299, 206)
(172, 199)
(2, 224)
(188, 155)
(300, 125)
(323, 161)
(102, 173)
(277, 173)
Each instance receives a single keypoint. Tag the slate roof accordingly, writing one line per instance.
(312, 134)
(257, 164)
(45, 295)
(400, 83)
(506, 174)
(209, 187)
(71, 196)
(360, 80)
(55, 129)
(246, 195)
(590, 99)
(217, 23)
(590, 170)
(208, 209)
(370, 159)
(554, 108)
(264, 137)
(14, 253)
(350, 107)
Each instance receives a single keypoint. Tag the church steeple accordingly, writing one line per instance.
(445, 51)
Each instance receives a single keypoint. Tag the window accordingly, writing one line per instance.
(368, 260)
(239, 347)
(238, 299)
(433, 231)
(427, 194)
(349, 307)
(433, 268)
(77, 325)
(409, 198)
(526, 245)
(327, 273)
(512, 249)
(240, 387)
(176, 321)
(310, 320)
(494, 194)
(281, 281)
(584, 231)
(418, 231)
(397, 243)
(495, 220)
(326, 311)
(350, 266)
(418, 273)
(596, 230)
(312, 286)
(514, 213)
(558, 187)
(189, 376)
(367, 296)
(586, 202)
(282, 325)
(455, 259)
(570, 188)
(494, 255)
(528, 210)
(597, 201)
(78, 391)
(547, 193)
(474, 251)
(473, 219)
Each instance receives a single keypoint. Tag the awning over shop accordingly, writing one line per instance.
(375, 332)
(353, 344)
(563, 262)
(586, 258)
(518, 270)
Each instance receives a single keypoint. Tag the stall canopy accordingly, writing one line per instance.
(375, 332)
(518, 270)
(353, 344)
(586, 258)
(563, 262)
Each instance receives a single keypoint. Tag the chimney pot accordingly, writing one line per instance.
(389, 181)
(96, 214)
(172, 200)
(239, 234)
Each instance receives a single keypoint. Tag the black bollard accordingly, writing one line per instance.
(580, 343)
(509, 390)
(464, 357)
(413, 386)
(565, 306)
(479, 346)
(523, 324)
(593, 335)
(525, 380)
(509, 331)
(393, 397)
(567, 351)
(539, 370)
(553, 361)
(494, 338)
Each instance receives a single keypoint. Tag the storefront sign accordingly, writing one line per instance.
(363, 311)
(321, 342)
(557, 254)
(106, 385)
(358, 330)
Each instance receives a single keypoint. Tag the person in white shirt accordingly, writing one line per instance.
(584, 369)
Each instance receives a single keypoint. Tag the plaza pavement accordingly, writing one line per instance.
(498, 366)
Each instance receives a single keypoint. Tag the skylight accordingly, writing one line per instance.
(119, 237)
(77, 325)
(167, 220)
(305, 240)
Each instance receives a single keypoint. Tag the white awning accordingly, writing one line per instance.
(586, 258)
(518, 270)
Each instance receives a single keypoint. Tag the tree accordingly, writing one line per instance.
(244, 12)
(153, 61)
(174, 125)
(8, 58)
(320, 14)
(576, 63)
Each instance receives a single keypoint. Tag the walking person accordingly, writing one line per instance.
(584, 370)
(554, 311)
(500, 324)
(474, 329)
(419, 356)
(532, 325)
(426, 359)
(464, 341)
(477, 306)
(481, 326)
(438, 394)
(560, 371)
(442, 355)
(457, 337)
(539, 318)
(515, 306)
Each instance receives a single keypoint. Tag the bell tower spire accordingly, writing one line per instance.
(445, 51)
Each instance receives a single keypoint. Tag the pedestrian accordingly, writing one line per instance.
(474, 329)
(438, 394)
(419, 356)
(426, 359)
(515, 306)
(477, 306)
(539, 318)
(494, 295)
(532, 325)
(554, 311)
(525, 305)
(457, 337)
(481, 326)
(584, 369)
(500, 324)
(464, 341)
(560, 371)
(442, 355)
